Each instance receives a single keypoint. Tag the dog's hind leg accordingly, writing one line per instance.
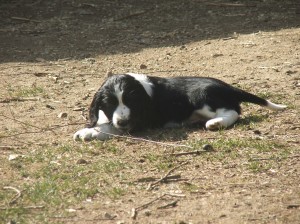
(224, 118)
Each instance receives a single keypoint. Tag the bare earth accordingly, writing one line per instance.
(55, 54)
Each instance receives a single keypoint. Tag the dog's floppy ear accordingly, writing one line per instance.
(94, 110)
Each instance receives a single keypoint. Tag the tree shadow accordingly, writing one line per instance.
(35, 30)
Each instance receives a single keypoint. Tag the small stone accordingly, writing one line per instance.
(13, 157)
(257, 132)
(82, 161)
(50, 107)
(109, 216)
(71, 210)
(208, 147)
(290, 72)
(109, 73)
(142, 66)
(141, 160)
(147, 212)
(182, 47)
(62, 115)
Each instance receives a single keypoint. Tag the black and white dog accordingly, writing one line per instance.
(132, 102)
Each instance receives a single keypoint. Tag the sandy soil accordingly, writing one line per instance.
(55, 54)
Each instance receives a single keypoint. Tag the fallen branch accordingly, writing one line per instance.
(18, 193)
(164, 178)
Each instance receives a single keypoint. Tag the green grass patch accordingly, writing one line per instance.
(115, 192)
(159, 161)
(20, 92)
(258, 166)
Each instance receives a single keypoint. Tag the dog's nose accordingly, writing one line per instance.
(122, 123)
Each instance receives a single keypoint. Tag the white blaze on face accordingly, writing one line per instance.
(122, 112)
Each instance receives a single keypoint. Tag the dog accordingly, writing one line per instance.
(130, 102)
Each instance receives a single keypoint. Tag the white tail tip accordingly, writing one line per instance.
(274, 106)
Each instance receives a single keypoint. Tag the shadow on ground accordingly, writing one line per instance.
(37, 30)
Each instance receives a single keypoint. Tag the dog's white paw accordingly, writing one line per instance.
(215, 124)
(103, 132)
(85, 134)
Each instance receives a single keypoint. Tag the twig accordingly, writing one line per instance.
(26, 207)
(171, 204)
(149, 203)
(293, 206)
(147, 140)
(25, 19)
(7, 147)
(15, 198)
(19, 99)
(134, 211)
(197, 152)
(230, 4)
(151, 185)
(21, 122)
(272, 158)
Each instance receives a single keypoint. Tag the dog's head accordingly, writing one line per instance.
(124, 99)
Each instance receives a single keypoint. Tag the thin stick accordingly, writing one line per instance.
(19, 99)
(197, 152)
(25, 19)
(171, 204)
(21, 122)
(8, 147)
(230, 4)
(134, 211)
(15, 198)
(26, 207)
(149, 203)
(151, 185)
(147, 140)
(272, 158)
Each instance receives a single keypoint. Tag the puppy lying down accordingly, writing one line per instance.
(130, 102)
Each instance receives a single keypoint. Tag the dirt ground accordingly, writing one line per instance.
(55, 54)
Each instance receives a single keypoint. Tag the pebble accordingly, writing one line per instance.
(13, 157)
(62, 115)
(208, 147)
(142, 66)
(50, 107)
(82, 161)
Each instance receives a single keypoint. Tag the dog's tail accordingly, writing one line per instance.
(251, 98)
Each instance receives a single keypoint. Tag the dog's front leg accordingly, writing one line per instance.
(101, 132)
